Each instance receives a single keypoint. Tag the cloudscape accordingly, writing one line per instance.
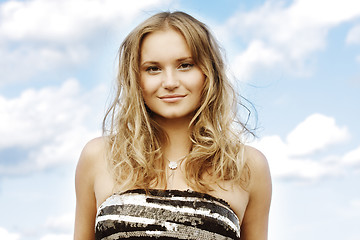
(296, 61)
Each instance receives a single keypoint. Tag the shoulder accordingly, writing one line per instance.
(255, 158)
(94, 150)
(258, 167)
(255, 221)
(94, 147)
(91, 156)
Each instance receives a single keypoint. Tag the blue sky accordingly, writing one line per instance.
(298, 62)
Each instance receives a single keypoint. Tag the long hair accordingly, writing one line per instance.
(136, 140)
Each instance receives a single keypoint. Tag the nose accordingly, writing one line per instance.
(170, 80)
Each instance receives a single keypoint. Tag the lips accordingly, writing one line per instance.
(171, 98)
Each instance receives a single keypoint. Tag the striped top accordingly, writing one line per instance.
(165, 214)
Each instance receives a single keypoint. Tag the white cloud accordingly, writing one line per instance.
(4, 234)
(355, 203)
(57, 237)
(28, 59)
(294, 157)
(353, 36)
(40, 35)
(284, 166)
(292, 32)
(65, 147)
(255, 56)
(51, 124)
(66, 20)
(316, 132)
(37, 115)
(63, 223)
(325, 12)
(352, 158)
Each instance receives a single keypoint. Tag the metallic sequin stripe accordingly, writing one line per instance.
(140, 200)
(191, 199)
(182, 232)
(206, 198)
(184, 217)
(126, 218)
(176, 204)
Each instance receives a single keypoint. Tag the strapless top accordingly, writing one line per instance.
(165, 214)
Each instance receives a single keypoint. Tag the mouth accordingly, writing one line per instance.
(171, 98)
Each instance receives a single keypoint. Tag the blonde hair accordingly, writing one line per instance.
(136, 140)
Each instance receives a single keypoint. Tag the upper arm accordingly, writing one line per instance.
(85, 196)
(255, 222)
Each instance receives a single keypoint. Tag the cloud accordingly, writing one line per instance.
(50, 124)
(36, 115)
(316, 132)
(59, 227)
(289, 34)
(4, 234)
(284, 166)
(257, 55)
(29, 59)
(63, 21)
(57, 237)
(61, 224)
(295, 157)
(353, 37)
(352, 158)
(40, 35)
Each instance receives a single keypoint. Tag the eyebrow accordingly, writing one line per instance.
(155, 62)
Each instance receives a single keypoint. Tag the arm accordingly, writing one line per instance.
(85, 197)
(255, 221)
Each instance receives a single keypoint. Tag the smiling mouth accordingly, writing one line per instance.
(172, 98)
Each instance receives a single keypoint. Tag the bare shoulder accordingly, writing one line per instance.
(91, 155)
(94, 148)
(91, 159)
(256, 161)
(255, 221)
(260, 178)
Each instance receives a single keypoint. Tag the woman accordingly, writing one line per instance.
(171, 163)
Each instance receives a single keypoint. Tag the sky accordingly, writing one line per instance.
(297, 62)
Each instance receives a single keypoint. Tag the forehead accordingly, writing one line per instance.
(164, 44)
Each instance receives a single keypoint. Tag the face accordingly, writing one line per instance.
(170, 80)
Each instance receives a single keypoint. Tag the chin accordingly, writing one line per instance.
(174, 116)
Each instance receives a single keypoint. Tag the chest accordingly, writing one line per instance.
(166, 214)
(235, 196)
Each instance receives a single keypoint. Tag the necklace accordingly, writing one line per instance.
(173, 165)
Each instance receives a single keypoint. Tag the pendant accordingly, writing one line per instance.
(173, 165)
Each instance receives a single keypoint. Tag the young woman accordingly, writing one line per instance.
(172, 163)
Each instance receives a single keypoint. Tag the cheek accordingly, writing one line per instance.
(148, 91)
(200, 84)
(144, 85)
(149, 86)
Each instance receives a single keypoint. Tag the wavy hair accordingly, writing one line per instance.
(136, 140)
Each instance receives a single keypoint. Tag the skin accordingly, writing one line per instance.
(171, 83)
(168, 70)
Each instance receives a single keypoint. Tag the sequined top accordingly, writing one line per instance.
(165, 214)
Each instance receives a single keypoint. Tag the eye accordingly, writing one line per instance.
(186, 66)
(153, 69)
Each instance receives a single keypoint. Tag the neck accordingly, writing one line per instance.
(178, 133)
